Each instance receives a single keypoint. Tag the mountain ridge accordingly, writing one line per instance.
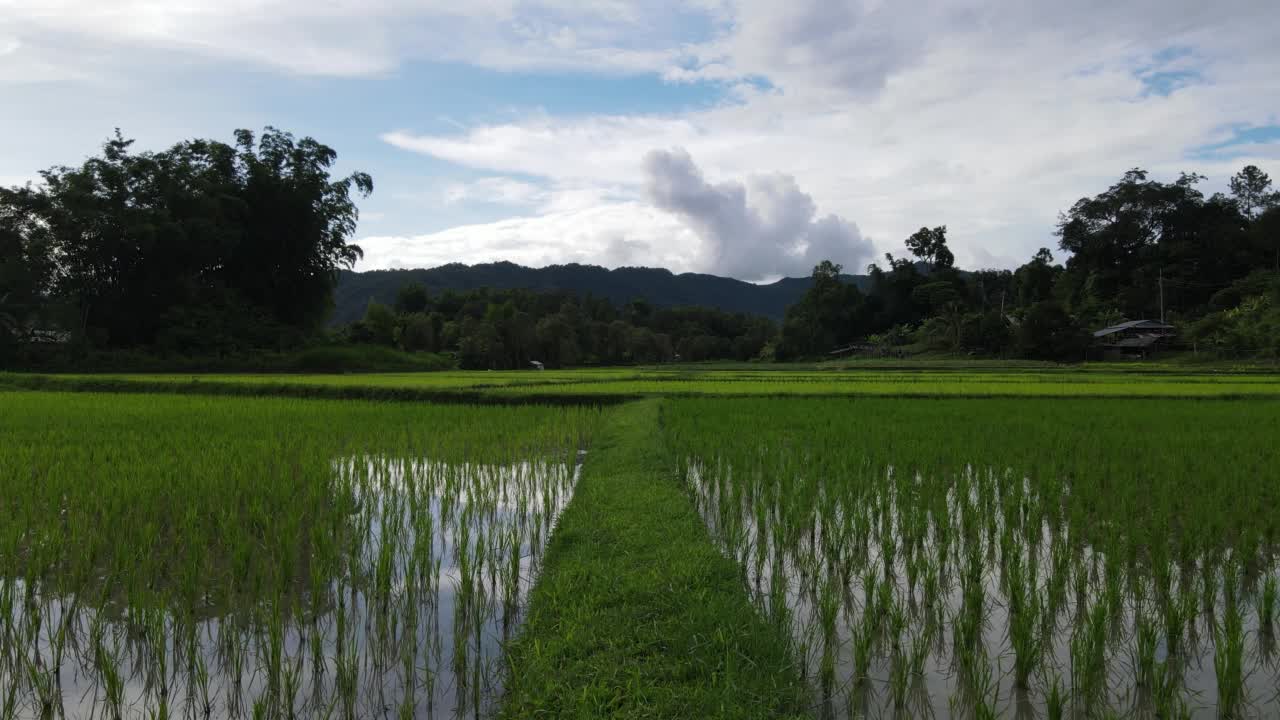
(658, 286)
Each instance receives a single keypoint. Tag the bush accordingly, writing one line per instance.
(1048, 332)
(418, 333)
(367, 358)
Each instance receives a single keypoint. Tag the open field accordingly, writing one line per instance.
(880, 542)
(620, 384)
(918, 384)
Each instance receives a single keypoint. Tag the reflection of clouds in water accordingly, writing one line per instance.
(430, 549)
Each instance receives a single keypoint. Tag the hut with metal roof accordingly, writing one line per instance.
(1134, 338)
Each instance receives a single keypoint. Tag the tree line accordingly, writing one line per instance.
(209, 248)
(1142, 249)
(509, 329)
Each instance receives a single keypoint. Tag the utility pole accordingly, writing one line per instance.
(1162, 295)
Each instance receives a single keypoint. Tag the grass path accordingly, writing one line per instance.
(636, 614)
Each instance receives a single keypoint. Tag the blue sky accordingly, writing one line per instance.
(742, 137)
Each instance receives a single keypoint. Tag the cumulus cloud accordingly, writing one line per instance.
(989, 118)
(761, 228)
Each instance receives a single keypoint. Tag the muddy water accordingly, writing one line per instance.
(879, 621)
(408, 619)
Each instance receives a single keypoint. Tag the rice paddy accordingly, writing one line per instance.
(623, 384)
(1003, 559)
(970, 542)
(201, 557)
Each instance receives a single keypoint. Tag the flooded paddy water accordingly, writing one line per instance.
(980, 601)
(402, 614)
(985, 558)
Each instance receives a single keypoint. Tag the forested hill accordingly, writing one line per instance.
(660, 287)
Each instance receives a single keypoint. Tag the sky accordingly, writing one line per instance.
(748, 138)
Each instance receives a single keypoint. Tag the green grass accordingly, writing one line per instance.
(439, 387)
(920, 384)
(318, 358)
(622, 384)
(636, 614)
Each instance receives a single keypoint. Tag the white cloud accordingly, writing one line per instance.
(350, 38)
(762, 228)
(766, 227)
(498, 190)
(616, 234)
(17, 180)
(987, 118)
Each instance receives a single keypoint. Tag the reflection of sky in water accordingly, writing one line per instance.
(413, 624)
(824, 553)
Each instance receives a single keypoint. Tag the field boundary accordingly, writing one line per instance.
(579, 392)
(636, 613)
(466, 396)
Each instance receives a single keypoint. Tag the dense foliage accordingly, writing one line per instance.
(511, 329)
(203, 247)
(620, 285)
(1143, 249)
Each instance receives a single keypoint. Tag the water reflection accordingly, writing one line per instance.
(402, 611)
(976, 596)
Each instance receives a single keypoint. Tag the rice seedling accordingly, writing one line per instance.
(1267, 605)
(1084, 551)
(1228, 661)
(205, 557)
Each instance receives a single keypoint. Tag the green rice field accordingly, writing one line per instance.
(973, 542)
(218, 557)
(617, 384)
(996, 558)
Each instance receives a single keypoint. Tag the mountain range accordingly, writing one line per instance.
(660, 287)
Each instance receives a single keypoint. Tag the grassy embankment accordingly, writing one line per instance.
(636, 613)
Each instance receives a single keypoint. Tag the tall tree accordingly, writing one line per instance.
(26, 264)
(930, 245)
(1252, 190)
(1143, 236)
(201, 232)
(412, 298)
(829, 313)
(1265, 233)
(297, 227)
(1034, 281)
